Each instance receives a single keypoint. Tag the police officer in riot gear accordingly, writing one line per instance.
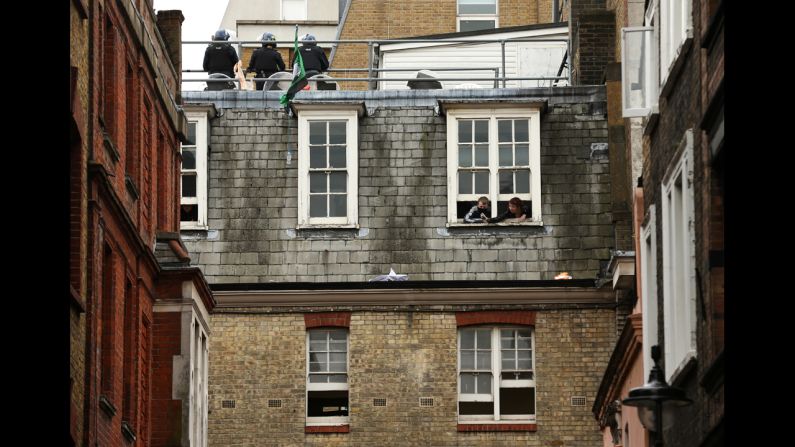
(220, 57)
(266, 60)
(313, 56)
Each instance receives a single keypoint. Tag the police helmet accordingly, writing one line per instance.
(268, 39)
(309, 37)
(221, 34)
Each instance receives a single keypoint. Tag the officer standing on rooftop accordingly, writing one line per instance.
(220, 57)
(266, 60)
(313, 56)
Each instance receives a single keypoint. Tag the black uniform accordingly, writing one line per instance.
(265, 61)
(314, 58)
(220, 57)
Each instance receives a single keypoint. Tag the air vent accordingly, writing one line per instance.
(379, 402)
(426, 401)
(227, 404)
(578, 401)
(274, 403)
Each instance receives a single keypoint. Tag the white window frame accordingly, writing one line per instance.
(199, 346)
(679, 281)
(202, 140)
(634, 70)
(352, 167)
(676, 25)
(282, 10)
(328, 420)
(478, 17)
(497, 381)
(648, 284)
(493, 114)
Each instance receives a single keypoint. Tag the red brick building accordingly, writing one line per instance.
(134, 297)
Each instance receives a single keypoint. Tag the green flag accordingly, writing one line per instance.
(299, 75)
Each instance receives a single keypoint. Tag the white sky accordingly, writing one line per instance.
(202, 19)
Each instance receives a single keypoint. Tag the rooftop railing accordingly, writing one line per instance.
(373, 77)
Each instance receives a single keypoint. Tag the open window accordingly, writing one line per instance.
(327, 377)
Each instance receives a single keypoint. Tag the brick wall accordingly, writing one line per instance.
(390, 19)
(402, 203)
(593, 42)
(399, 356)
(166, 421)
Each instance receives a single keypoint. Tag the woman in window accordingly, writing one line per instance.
(515, 211)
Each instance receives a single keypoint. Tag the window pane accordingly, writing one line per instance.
(504, 132)
(524, 340)
(506, 155)
(338, 357)
(468, 339)
(188, 158)
(337, 367)
(481, 155)
(317, 132)
(337, 378)
(465, 131)
(337, 336)
(481, 183)
(523, 182)
(318, 357)
(467, 383)
(467, 360)
(465, 155)
(522, 154)
(337, 156)
(317, 182)
(316, 367)
(338, 205)
(476, 25)
(317, 336)
(477, 7)
(481, 131)
(465, 182)
(485, 408)
(317, 157)
(336, 130)
(483, 383)
(317, 345)
(338, 346)
(506, 182)
(317, 206)
(517, 401)
(506, 335)
(191, 133)
(294, 9)
(483, 360)
(318, 378)
(337, 181)
(188, 213)
(521, 130)
(484, 339)
(188, 185)
(508, 359)
(517, 375)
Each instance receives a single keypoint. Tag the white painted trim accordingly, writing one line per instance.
(200, 117)
(496, 374)
(651, 87)
(330, 420)
(648, 285)
(352, 167)
(533, 114)
(679, 282)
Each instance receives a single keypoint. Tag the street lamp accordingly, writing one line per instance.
(655, 398)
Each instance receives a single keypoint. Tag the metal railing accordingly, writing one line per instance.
(373, 72)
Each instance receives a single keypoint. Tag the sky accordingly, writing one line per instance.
(202, 19)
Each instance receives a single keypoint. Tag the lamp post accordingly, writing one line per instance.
(654, 397)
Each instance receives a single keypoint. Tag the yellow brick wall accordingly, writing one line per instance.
(400, 356)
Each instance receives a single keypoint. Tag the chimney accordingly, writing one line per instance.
(170, 25)
(593, 44)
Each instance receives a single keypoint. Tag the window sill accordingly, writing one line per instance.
(128, 431)
(192, 227)
(131, 188)
(683, 370)
(497, 426)
(533, 223)
(340, 428)
(327, 226)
